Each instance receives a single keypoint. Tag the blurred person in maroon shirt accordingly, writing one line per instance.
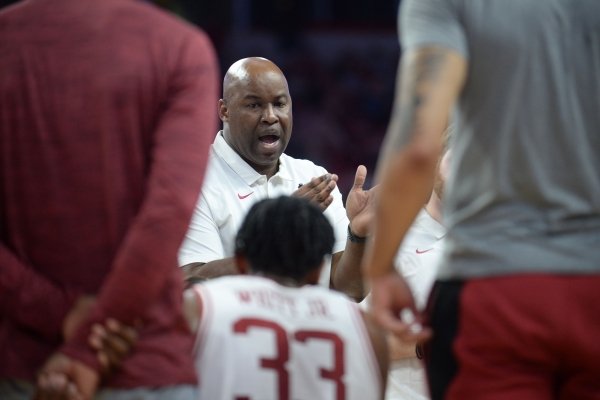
(106, 117)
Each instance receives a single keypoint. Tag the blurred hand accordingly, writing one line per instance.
(318, 190)
(359, 204)
(62, 378)
(393, 306)
(112, 343)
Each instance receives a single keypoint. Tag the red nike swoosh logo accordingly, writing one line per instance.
(242, 197)
(423, 251)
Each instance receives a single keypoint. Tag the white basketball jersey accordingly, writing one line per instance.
(258, 340)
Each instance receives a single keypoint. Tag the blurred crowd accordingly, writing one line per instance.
(340, 109)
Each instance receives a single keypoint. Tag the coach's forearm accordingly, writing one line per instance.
(209, 270)
(346, 274)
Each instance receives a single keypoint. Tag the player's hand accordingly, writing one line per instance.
(393, 306)
(318, 190)
(359, 204)
(62, 378)
(112, 342)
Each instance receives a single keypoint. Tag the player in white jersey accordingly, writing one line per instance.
(272, 333)
(258, 339)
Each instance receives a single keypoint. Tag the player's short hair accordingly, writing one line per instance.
(284, 236)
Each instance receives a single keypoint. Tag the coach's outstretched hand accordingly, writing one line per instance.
(359, 204)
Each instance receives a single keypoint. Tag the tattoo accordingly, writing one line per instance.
(421, 74)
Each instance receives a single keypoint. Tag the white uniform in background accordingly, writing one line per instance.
(417, 261)
(260, 340)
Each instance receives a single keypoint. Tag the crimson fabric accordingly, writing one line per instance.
(528, 337)
(107, 111)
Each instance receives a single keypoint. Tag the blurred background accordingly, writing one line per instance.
(340, 59)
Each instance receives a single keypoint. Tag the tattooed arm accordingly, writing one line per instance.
(429, 81)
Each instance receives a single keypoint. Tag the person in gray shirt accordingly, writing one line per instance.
(516, 305)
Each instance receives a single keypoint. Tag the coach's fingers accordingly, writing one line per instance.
(360, 177)
(318, 190)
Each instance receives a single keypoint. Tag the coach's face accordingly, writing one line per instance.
(256, 111)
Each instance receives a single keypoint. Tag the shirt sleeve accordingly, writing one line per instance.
(147, 257)
(202, 242)
(431, 23)
(24, 292)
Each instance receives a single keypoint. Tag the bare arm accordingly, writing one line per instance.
(202, 271)
(346, 275)
(192, 308)
(428, 84)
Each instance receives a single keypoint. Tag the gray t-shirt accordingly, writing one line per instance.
(525, 193)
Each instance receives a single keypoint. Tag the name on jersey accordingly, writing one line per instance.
(282, 304)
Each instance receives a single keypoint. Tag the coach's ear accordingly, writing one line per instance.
(241, 263)
(223, 110)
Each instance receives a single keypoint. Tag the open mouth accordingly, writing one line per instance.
(269, 139)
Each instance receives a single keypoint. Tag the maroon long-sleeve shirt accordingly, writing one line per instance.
(107, 110)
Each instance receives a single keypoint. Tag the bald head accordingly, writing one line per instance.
(247, 70)
(256, 110)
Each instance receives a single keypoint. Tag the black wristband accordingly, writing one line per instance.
(353, 238)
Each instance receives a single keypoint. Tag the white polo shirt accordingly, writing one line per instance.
(231, 187)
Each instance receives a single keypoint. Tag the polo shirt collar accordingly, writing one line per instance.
(284, 172)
